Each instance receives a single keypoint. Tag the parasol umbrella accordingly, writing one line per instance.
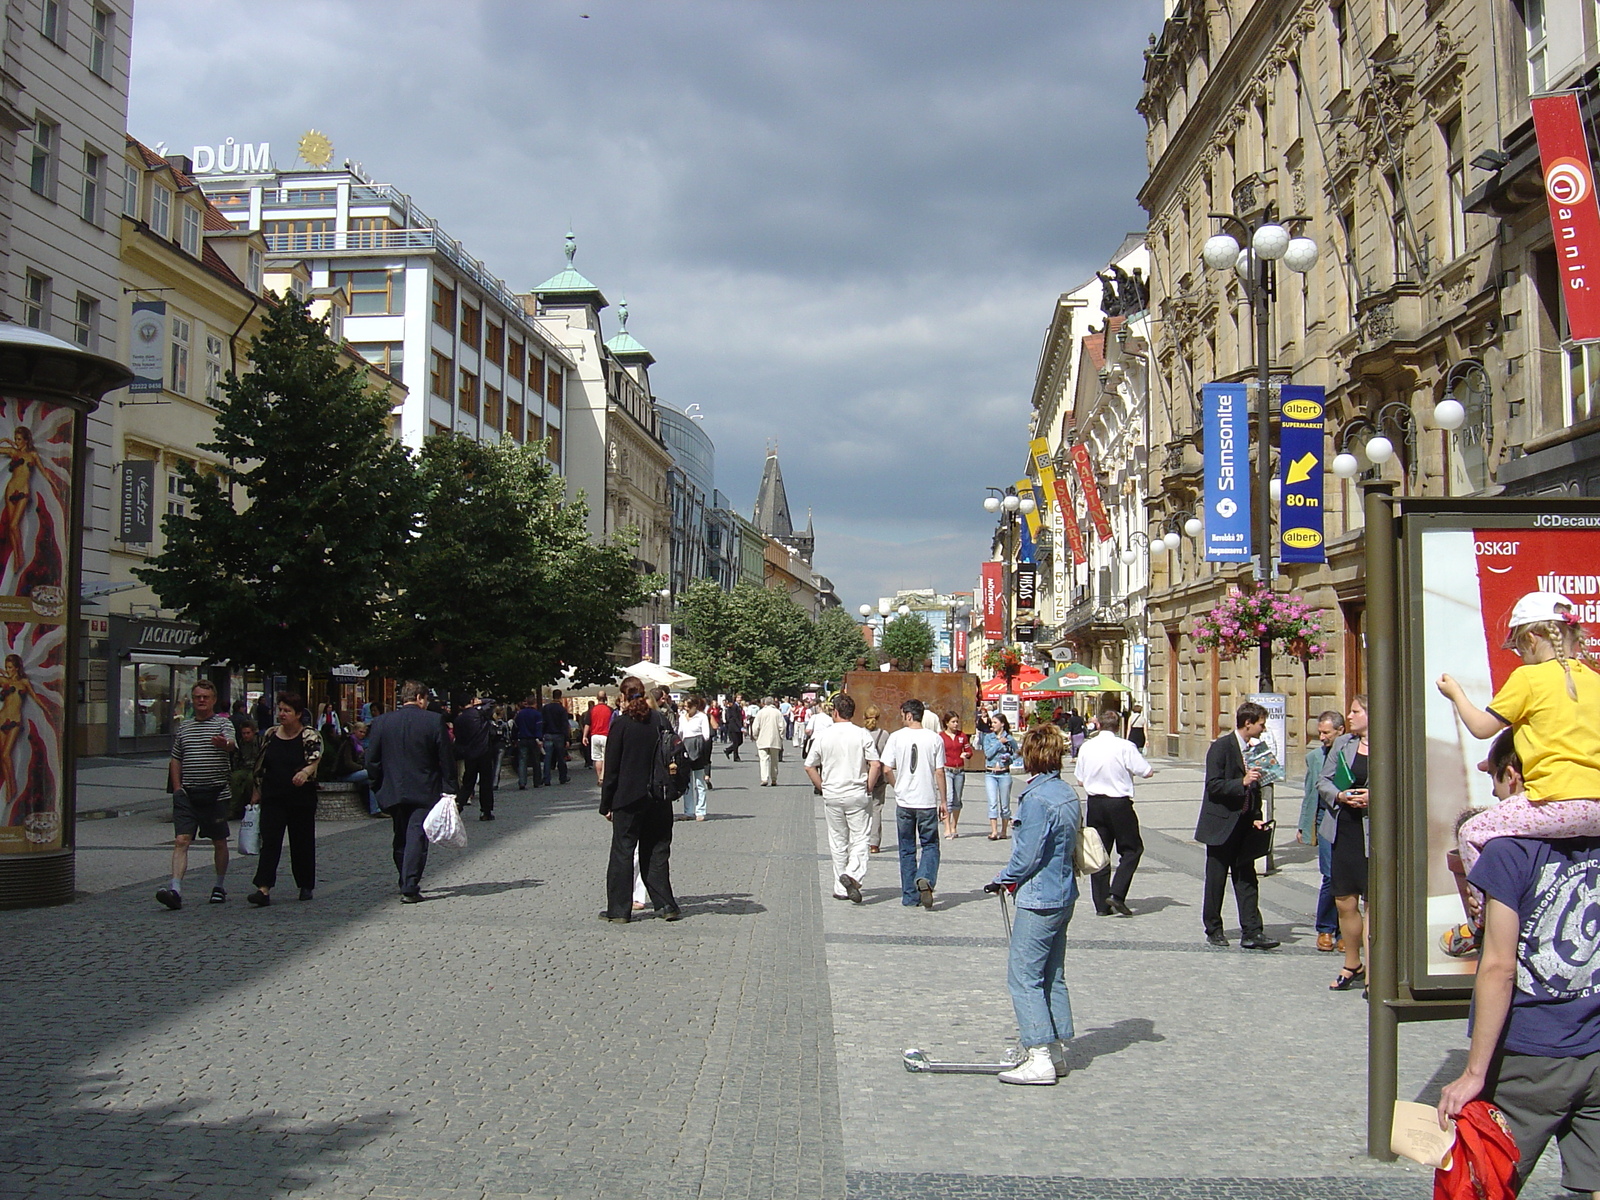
(996, 687)
(1072, 677)
(657, 675)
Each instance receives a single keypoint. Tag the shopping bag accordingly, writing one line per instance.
(1089, 856)
(250, 830)
(443, 824)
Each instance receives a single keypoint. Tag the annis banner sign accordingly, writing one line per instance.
(1300, 443)
(1574, 213)
(1227, 471)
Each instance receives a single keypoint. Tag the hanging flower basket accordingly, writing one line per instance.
(1003, 660)
(1237, 626)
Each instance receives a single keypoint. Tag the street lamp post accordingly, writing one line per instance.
(1013, 506)
(1269, 241)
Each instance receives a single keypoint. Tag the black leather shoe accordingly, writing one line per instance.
(410, 897)
(1118, 907)
(1258, 943)
(1216, 939)
(1102, 912)
(615, 920)
(486, 817)
(670, 914)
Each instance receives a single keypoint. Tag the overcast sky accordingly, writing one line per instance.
(842, 226)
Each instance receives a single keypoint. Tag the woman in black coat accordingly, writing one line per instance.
(640, 815)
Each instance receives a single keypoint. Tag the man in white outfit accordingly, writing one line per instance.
(767, 729)
(843, 765)
(1106, 767)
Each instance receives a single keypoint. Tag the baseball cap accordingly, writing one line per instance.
(1541, 606)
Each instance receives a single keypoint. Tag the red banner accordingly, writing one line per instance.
(992, 596)
(1076, 552)
(1512, 563)
(1091, 491)
(1574, 213)
(960, 655)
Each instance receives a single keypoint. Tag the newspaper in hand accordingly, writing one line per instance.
(1260, 756)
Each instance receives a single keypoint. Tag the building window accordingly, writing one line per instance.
(1455, 199)
(444, 306)
(299, 236)
(471, 325)
(369, 233)
(94, 172)
(515, 364)
(1398, 257)
(1341, 43)
(535, 372)
(42, 162)
(386, 356)
(437, 430)
(182, 334)
(130, 190)
(554, 453)
(36, 302)
(102, 27)
(255, 268)
(1582, 383)
(53, 22)
(373, 293)
(177, 493)
(492, 416)
(467, 394)
(514, 421)
(213, 368)
(86, 321)
(161, 211)
(553, 394)
(189, 234)
(441, 380)
(1538, 44)
(494, 345)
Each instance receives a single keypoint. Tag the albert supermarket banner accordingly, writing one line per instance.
(1464, 564)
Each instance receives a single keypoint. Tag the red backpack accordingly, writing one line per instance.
(1483, 1164)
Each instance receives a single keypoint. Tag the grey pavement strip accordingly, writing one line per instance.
(868, 1185)
(1194, 947)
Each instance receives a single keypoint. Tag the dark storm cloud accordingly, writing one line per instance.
(842, 226)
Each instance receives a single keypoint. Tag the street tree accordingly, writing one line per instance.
(754, 640)
(908, 642)
(502, 588)
(283, 557)
(839, 645)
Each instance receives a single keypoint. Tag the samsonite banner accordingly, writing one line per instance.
(992, 597)
(1227, 472)
(1300, 449)
(1091, 491)
(1574, 213)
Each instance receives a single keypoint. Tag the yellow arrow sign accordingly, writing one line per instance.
(1300, 469)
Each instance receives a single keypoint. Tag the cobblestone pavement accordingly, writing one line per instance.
(500, 1041)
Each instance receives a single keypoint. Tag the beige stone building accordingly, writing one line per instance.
(1371, 119)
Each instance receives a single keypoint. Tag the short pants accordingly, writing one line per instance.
(205, 814)
(1552, 1097)
(597, 747)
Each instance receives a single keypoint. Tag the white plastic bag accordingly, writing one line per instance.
(443, 824)
(250, 830)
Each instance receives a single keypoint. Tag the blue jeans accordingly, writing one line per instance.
(1033, 975)
(529, 751)
(361, 778)
(1327, 911)
(694, 799)
(917, 825)
(997, 784)
(957, 779)
(555, 756)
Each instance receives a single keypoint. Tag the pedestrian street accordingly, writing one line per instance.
(500, 1041)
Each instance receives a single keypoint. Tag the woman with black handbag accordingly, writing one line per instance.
(694, 727)
(286, 789)
(636, 798)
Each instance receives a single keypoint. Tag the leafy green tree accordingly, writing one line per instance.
(908, 642)
(502, 588)
(753, 640)
(839, 645)
(284, 554)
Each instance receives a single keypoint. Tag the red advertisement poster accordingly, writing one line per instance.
(1512, 563)
(1091, 491)
(992, 590)
(960, 656)
(1076, 552)
(1574, 213)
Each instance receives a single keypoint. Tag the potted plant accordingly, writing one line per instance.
(1248, 616)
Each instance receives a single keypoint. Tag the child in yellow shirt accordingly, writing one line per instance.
(1552, 705)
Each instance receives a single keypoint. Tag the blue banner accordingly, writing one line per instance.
(1300, 449)
(1227, 484)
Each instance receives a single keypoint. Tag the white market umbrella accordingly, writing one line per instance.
(656, 674)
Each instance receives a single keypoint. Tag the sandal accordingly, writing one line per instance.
(1460, 941)
(994, 837)
(1347, 979)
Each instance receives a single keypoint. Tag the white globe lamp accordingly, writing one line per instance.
(1192, 527)
(1449, 413)
(1380, 450)
(1127, 557)
(1270, 242)
(1244, 266)
(1158, 550)
(1275, 489)
(1171, 540)
(1300, 255)
(866, 610)
(991, 504)
(1011, 503)
(1026, 505)
(1345, 465)
(1220, 251)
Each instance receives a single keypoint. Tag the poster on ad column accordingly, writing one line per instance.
(1464, 570)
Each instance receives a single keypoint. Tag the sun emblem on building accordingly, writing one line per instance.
(315, 148)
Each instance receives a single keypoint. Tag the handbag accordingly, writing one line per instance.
(1089, 856)
(443, 823)
(250, 830)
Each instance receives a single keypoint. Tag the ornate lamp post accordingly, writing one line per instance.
(1006, 500)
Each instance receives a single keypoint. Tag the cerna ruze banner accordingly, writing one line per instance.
(1227, 470)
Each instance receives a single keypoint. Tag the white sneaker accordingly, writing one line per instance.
(1058, 1058)
(1035, 1069)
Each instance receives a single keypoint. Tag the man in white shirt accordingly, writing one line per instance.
(815, 724)
(767, 729)
(843, 765)
(913, 761)
(1106, 766)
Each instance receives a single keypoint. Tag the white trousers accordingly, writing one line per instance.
(769, 764)
(848, 821)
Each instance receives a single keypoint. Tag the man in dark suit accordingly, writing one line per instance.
(410, 764)
(1230, 828)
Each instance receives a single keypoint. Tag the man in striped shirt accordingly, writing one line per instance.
(202, 755)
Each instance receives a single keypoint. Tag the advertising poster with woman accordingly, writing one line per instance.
(1466, 575)
(35, 523)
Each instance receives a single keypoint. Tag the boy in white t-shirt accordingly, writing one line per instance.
(913, 762)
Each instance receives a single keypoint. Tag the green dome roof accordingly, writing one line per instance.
(624, 345)
(569, 284)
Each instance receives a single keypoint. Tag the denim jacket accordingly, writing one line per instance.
(998, 751)
(1049, 815)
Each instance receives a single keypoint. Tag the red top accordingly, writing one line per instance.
(956, 748)
(599, 720)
